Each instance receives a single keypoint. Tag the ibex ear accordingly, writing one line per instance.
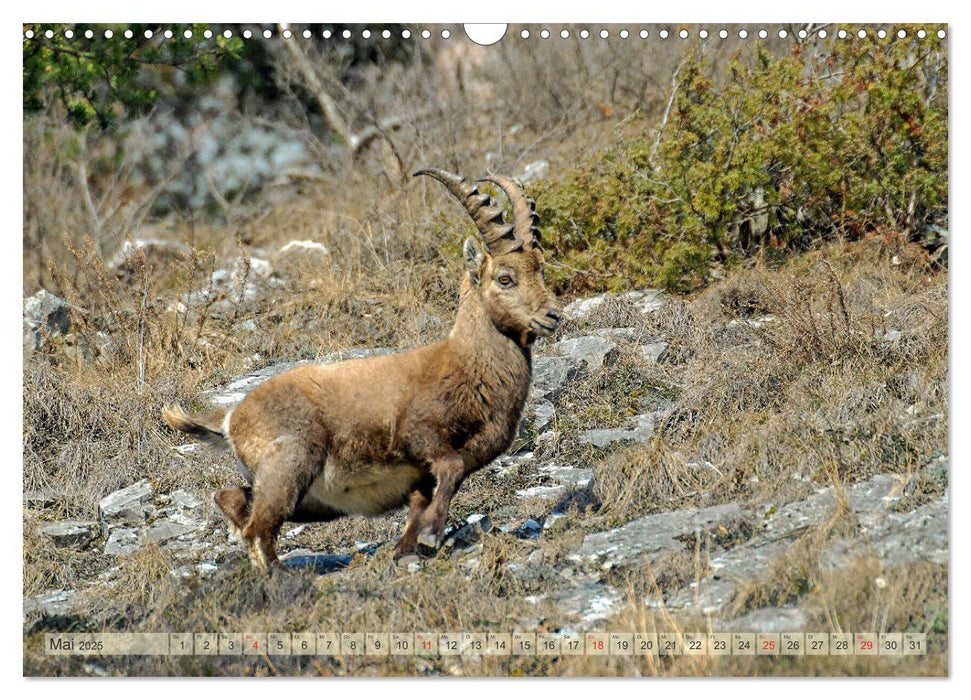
(474, 257)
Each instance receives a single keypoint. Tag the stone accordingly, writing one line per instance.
(567, 475)
(298, 257)
(123, 540)
(258, 267)
(536, 170)
(590, 350)
(157, 253)
(657, 533)
(896, 538)
(892, 537)
(556, 522)
(304, 247)
(542, 413)
(186, 500)
(70, 533)
(203, 569)
(652, 352)
(129, 505)
(551, 374)
(770, 620)
(529, 530)
(55, 602)
(317, 561)
(646, 301)
(46, 315)
(641, 432)
(587, 597)
(548, 492)
(40, 500)
(628, 334)
(564, 478)
(164, 531)
(469, 534)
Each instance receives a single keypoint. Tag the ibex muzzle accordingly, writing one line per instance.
(367, 436)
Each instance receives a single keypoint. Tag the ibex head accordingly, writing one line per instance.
(505, 269)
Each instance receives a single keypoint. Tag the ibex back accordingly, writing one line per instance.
(367, 436)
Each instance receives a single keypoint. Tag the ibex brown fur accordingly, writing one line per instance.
(367, 436)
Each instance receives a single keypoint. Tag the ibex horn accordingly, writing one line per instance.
(524, 216)
(500, 237)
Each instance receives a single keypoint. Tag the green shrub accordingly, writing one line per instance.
(836, 137)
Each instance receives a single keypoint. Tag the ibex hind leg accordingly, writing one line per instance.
(235, 505)
(283, 477)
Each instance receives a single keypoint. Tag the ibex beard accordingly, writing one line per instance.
(368, 436)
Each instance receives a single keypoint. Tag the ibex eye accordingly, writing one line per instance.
(504, 280)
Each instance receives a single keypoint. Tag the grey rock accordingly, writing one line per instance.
(590, 350)
(652, 352)
(186, 500)
(545, 491)
(157, 252)
(123, 540)
(128, 505)
(551, 374)
(584, 595)
(166, 530)
(654, 534)
(317, 561)
(70, 533)
(536, 170)
(468, 555)
(481, 521)
(563, 478)
(628, 334)
(407, 561)
(46, 315)
(203, 569)
(475, 526)
(646, 301)
(188, 519)
(542, 414)
(40, 500)
(556, 522)
(641, 431)
(894, 538)
(55, 602)
(529, 530)
(48, 310)
(752, 322)
(238, 388)
(770, 620)
(567, 475)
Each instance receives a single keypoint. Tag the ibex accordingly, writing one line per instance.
(367, 436)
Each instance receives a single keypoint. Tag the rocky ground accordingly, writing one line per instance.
(736, 543)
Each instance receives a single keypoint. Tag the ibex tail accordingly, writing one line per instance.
(207, 428)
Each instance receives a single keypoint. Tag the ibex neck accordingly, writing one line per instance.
(476, 339)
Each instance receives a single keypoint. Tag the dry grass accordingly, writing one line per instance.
(815, 390)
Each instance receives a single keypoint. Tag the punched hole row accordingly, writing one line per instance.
(523, 34)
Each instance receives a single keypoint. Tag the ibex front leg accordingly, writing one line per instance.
(449, 471)
(418, 502)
